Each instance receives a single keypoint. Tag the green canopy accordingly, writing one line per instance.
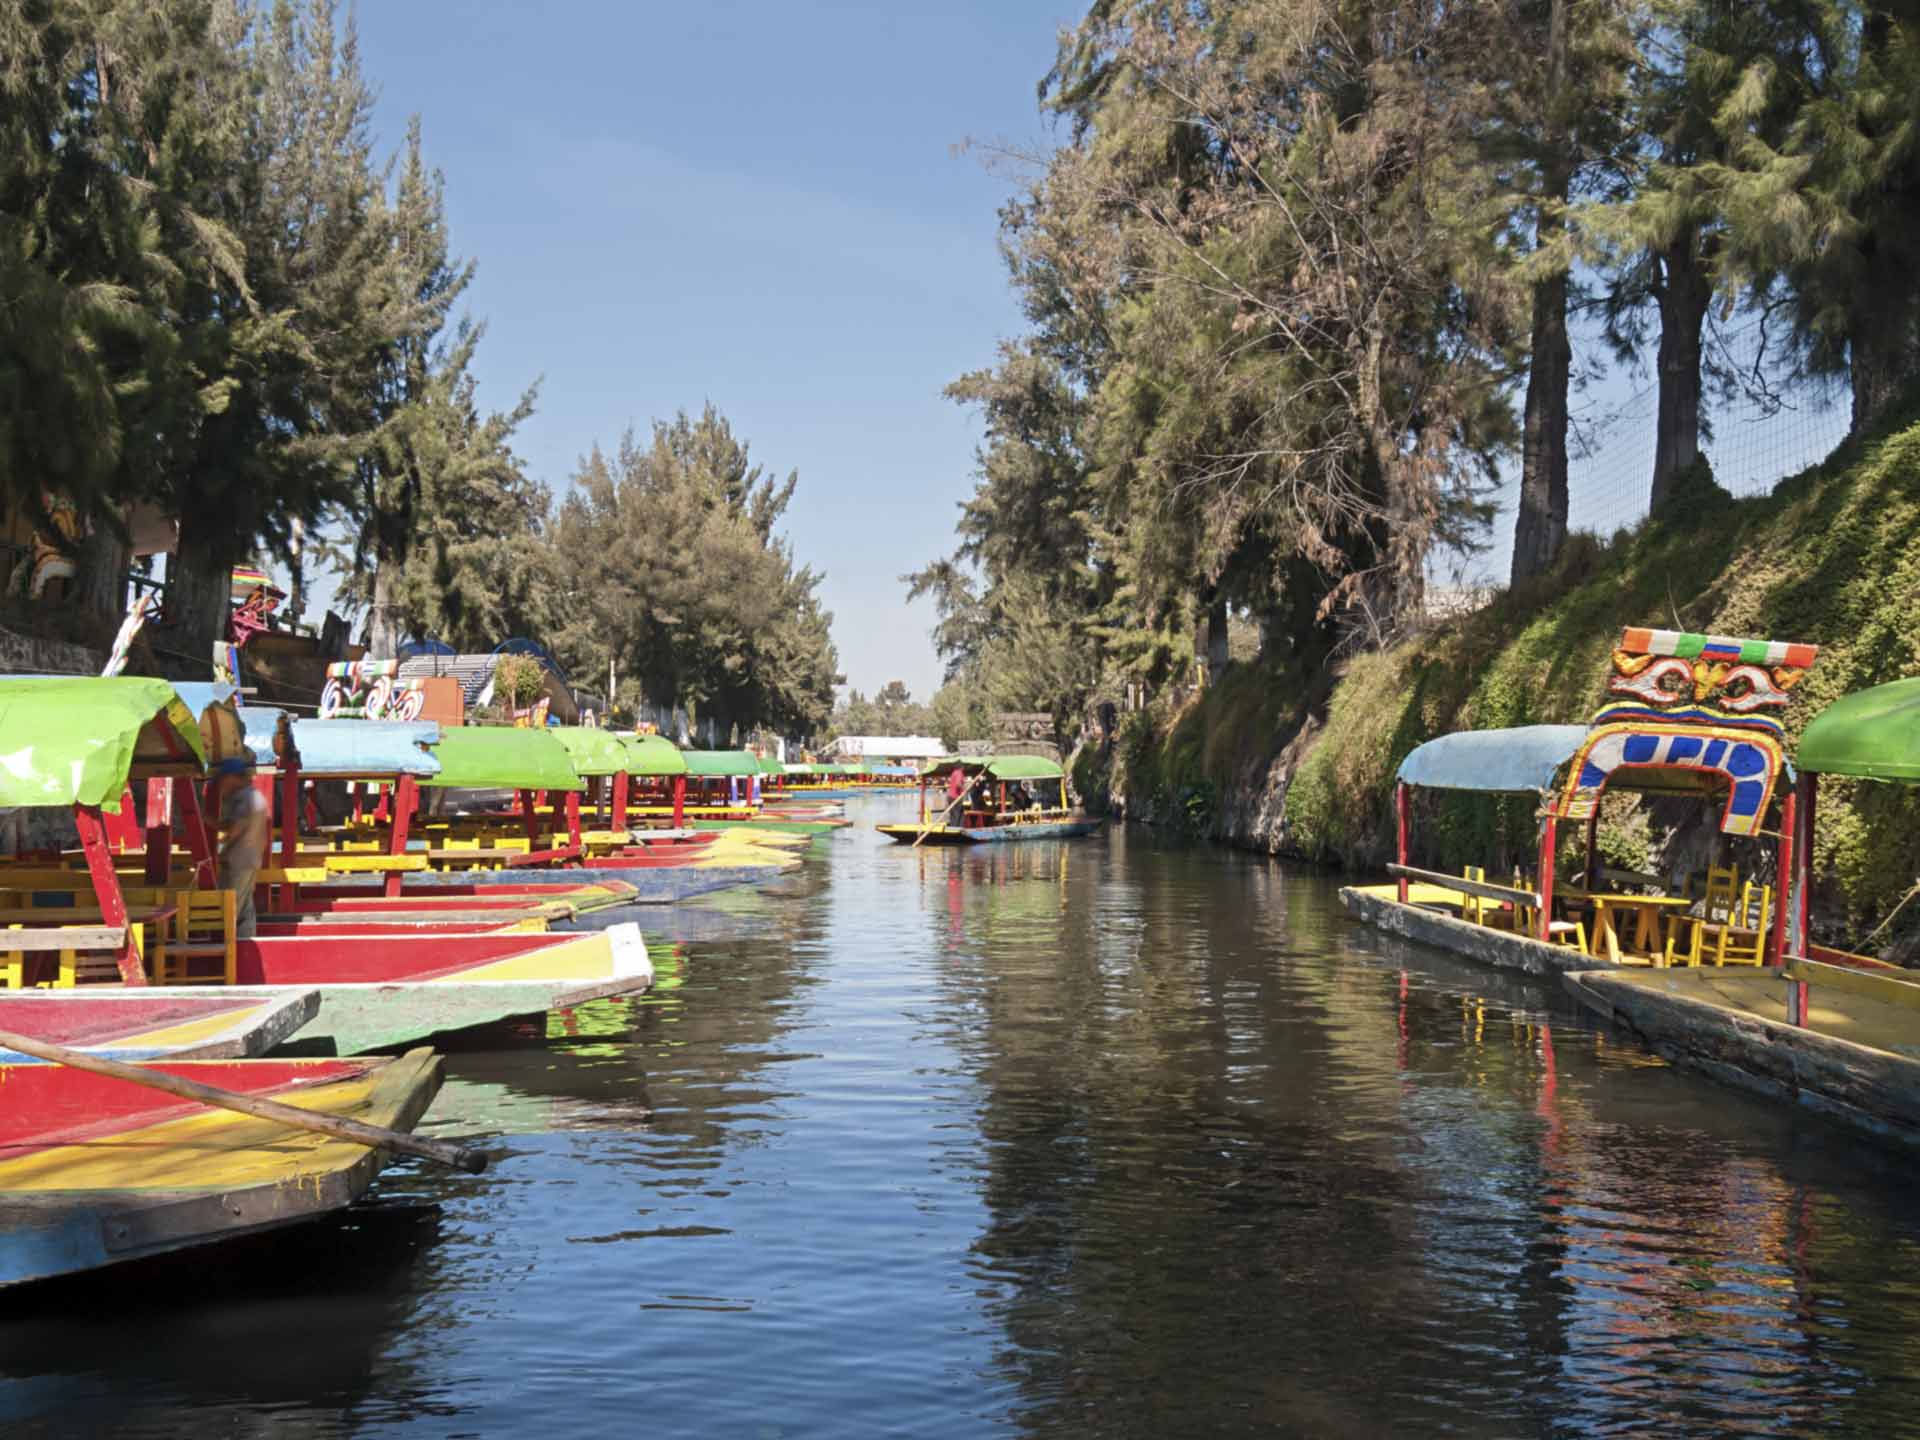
(77, 740)
(493, 757)
(1001, 767)
(653, 755)
(593, 752)
(721, 762)
(1874, 734)
(771, 766)
(800, 769)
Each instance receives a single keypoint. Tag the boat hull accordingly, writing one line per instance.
(180, 1023)
(1376, 905)
(97, 1172)
(988, 835)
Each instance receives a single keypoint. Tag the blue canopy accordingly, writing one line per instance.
(347, 749)
(1515, 761)
(197, 695)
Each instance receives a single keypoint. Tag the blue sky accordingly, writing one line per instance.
(752, 203)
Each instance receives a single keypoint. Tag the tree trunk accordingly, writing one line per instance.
(383, 619)
(1884, 361)
(104, 559)
(200, 587)
(1540, 525)
(1218, 653)
(1685, 293)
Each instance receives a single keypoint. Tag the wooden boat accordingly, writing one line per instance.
(1694, 715)
(81, 743)
(1834, 1032)
(989, 811)
(96, 1172)
(224, 1024)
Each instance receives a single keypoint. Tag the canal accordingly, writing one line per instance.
(1114, 1137)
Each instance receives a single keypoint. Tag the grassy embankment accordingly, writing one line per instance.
(1832, 557)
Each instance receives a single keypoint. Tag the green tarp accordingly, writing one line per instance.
(494, 757)
(721, 762)
(653, 755)
(771, 766)
(592, 752)
(1001, 767)
(77, 740)
(1874, 734)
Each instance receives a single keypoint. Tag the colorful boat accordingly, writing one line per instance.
(992, 799)
(1835, 1032)
(148, 1023)
(96, 1171)
(1695, 715)
(81, 743)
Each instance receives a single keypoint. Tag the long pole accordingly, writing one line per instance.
(460, 1157)
(926, 829)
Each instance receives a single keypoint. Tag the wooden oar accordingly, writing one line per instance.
(460, 1157)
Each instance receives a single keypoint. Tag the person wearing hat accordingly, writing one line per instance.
(246, 825)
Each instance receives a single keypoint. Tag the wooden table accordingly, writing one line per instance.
(1646, 910)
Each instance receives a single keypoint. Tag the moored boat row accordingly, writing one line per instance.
(464, 883)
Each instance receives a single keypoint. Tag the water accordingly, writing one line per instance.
(1109, 1137)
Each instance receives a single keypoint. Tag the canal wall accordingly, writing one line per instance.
(1302, 764)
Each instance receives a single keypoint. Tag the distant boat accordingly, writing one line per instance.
(997, 798)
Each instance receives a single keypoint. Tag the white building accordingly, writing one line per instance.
(888, 747)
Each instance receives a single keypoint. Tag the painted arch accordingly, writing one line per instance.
(1748, 760)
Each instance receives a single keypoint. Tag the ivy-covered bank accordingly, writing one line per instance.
(1303, 765)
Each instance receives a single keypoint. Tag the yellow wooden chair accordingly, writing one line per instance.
(1473, 908)
(1570, 933)
(203, 924)
(1686, 932)
(1741, 939)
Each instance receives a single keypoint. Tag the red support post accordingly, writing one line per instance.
(1783, 884)
(381, 812)
(530, 817)
(359, 800)
(1400, 833)
(573, 821)
(189, 809)
(123, 829)
(159, 831)
(1807, 796)
(406, 797)
(621, 782)
(106, 889)
(289, 813)
(679, 801)
(1549, 839)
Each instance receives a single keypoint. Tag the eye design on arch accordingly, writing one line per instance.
(1667, 680)
(1749, 687)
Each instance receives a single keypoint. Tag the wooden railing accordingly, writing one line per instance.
(1480, 888)
(1801, 974)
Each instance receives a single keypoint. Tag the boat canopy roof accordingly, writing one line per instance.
(721, 762)
(653, 755)
(1001, 767)
(1524, 759)
(800, 769)
(492, 757)
(771, 766)
(362, 749)
(593, 752)
(1873, 734)
(78, 740)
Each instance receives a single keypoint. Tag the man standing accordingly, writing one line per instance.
(246, 824)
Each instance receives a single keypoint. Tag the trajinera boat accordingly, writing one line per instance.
(95, 1171)
(987, 799)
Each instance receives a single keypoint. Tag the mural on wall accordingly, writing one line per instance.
(370, 690)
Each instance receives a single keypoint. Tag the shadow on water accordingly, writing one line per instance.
(1114, 1137)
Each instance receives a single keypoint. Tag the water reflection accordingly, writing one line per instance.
(1103, 1137)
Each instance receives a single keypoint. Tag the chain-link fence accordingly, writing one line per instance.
(1765, 426)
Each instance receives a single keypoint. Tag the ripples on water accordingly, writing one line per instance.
(1113, 1138)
